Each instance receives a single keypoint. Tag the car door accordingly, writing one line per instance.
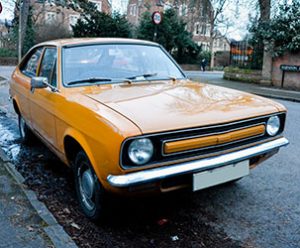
(21, 81)
(43, 101)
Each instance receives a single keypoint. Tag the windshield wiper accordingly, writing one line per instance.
(90, 80)
(143, 75)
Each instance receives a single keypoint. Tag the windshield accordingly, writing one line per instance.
(116, 62)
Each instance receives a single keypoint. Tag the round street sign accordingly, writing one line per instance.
(0, 7)
(156, 17)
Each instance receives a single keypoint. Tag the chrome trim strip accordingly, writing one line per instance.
(210, 134)
(155, 174)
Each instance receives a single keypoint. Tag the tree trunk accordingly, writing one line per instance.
(212, 57)
(211, 41)
(265, 9)
(267, 65)
(23, 17)
(265, 13)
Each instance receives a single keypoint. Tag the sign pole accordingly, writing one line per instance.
(20, 33)
(155, 33)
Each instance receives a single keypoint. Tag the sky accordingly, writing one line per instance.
(8, 8)
(236, 31)
(238, 16)
(119, 5)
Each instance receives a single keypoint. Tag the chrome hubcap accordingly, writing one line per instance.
(87, 184)
(86, 187)
(22, 127)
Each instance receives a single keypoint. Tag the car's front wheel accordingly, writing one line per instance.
(25, 133)
(89, 190)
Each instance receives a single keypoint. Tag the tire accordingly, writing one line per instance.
(90, 192)
(26, 134)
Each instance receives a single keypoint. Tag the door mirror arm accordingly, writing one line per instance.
(41, 83)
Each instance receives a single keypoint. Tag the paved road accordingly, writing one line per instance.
(263, 209)
(205, 76)
(6, 71)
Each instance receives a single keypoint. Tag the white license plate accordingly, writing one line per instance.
(217, 176)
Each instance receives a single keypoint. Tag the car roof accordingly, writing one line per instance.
(87, 41)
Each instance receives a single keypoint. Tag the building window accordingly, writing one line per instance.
(203, 12)
(184, 10)
(50, 2)
(50, 17)
(133, 10)
(203, 29)
(98, 4)
(205, 46)
(196, 28)
(207, 30)
(73, 20)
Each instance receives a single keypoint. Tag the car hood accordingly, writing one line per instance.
(161, 106)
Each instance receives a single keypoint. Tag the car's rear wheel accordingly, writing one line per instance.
(25, 133)
(89, 190)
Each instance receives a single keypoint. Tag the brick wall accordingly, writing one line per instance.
(292, 79)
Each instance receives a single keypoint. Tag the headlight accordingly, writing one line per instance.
(273, 125)
(140, 151)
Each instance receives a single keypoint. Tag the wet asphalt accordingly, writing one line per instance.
(261, 210)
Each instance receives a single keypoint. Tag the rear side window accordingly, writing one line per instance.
(30, 67)
(48, 65)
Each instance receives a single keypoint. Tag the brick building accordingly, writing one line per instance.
(54, 11)
(4, 31)
(196, 13)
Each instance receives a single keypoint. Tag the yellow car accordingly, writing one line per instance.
(124, 116)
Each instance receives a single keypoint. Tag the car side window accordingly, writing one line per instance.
(30, 67)
(48, 65)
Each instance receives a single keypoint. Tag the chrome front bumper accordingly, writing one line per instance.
(160, 173)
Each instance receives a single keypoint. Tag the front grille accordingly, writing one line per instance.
(221, 131)
(212, 140)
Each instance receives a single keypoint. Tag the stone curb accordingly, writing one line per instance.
(286, 98)
(3, 82)
(54, 231)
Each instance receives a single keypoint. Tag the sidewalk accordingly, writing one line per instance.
(25, 221)
(266, 91)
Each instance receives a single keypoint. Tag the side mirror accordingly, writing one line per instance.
(38, 83)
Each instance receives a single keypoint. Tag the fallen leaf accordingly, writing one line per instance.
(75, 226)
(162, 222)
(174, 238)
(30, 229)
(67, 211)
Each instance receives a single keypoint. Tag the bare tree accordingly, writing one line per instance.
(207, 15)
(217, 21)
(51, 31)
